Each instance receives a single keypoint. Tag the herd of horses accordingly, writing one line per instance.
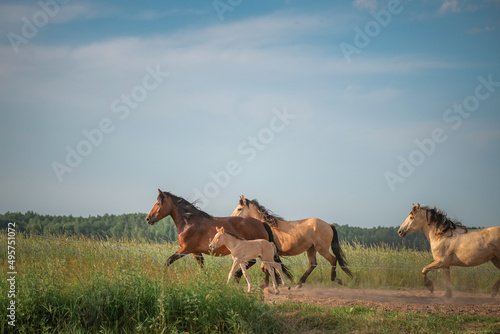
(253, 231)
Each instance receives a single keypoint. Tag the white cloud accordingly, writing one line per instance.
(449, 6)
(365, 4)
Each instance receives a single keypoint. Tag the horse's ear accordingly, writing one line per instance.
(418, 206)
(222, 230)
(161, 195)
(242, 200)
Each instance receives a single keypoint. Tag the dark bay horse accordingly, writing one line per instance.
(195, 228)
(452, 244)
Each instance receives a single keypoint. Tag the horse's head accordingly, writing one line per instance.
(243, 209)
(161, 209)
(414, 222)
(216, 239)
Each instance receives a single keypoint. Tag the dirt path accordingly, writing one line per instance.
(418, 301)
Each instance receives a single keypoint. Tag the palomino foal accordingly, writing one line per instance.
(245, 250)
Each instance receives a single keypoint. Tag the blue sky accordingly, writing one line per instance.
(349, 111)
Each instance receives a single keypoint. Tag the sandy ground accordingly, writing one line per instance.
(419, 301)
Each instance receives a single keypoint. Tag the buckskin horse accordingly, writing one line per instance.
(452, 244)
(311, 235)
(195, 228)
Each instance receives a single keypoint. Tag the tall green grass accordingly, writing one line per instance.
(86, 285)
(385, 267)
(65, 286)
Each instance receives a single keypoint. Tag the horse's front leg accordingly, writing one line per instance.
(199, 258)
(176, 256)
(239, 272)
(447, 282)
(244, 270)
(233, 269)
(311, 255)
(428, 282)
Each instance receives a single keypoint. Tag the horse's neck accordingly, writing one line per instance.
(180, 223)
(230, 242)
(429, 232)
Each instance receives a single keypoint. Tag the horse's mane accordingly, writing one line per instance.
(186, 209)
(233, 235)
(442, 223)
(268, 215)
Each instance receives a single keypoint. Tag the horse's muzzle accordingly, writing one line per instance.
(402, 233)
(150, 221)
(211, 246)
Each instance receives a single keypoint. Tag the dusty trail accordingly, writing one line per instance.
(419, 301)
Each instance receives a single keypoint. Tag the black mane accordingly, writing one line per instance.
(443, 223)
(233, 235)
(186, 209)
(268, 215)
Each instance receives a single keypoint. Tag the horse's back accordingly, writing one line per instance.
(246, 228)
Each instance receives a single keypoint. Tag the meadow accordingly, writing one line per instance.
(81, 285)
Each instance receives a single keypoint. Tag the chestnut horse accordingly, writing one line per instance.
(196, 227)
(452, 244)
(311, 235)
(245, 250)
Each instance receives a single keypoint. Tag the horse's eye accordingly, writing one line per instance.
(239, 209)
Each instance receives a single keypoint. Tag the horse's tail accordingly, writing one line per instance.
(277, 259)
(286, 270)
(337, 251)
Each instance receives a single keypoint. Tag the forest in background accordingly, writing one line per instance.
(134, 226)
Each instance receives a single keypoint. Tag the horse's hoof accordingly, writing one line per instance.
(277, 292)
(338, 281)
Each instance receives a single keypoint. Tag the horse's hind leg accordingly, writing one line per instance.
(282, 275)
(269, 268)
(311, 255)
(494, 289)
(333, 261)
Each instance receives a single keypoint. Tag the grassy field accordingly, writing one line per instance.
(81, 285)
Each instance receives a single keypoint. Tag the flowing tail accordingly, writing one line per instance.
(286, 270)
(337, 251)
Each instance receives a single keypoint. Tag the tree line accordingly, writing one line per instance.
(134, 226)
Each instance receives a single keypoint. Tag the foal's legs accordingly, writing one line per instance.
(244, 270)
(233, 269)
(494, 289)
(311, 255)
(280, 271)
(269, 268)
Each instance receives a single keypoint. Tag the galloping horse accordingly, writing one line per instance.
(311, 235)
(245, 250)
(196, 227)
(452, 244)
